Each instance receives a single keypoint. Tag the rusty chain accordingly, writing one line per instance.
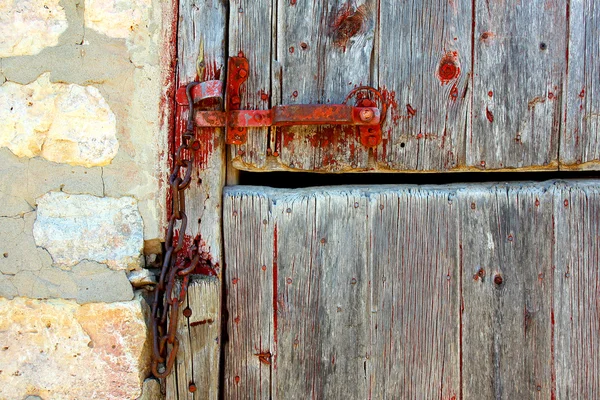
(176, 266)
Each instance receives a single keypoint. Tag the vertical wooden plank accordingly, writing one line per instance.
(249, 236)
(322, 296)
(325, 50)
(250, 36)
(425, 67)
(414, 350)
(518, 71)
(201, 21)
(576, 306)
(580, 141)
(506, 262)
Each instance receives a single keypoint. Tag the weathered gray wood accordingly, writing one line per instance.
(415, 303)
(249, 281)
(250, 35)
(506, 235)
(518, 72)
(325, 50)
(434, 319)
(337, 332)
(425, 68)
(580, 141)
(201, 20)
(576, 306)
(322, 296)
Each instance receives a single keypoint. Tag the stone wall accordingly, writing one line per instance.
(83, 136)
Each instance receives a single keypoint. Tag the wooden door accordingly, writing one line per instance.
(474, 291)
(467, 291)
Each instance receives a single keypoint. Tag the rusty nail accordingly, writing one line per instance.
(187, 312)
(192, 387)
(366, 115)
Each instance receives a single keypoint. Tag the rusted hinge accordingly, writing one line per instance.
(365, 114)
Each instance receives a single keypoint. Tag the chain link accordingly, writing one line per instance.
(176, 267)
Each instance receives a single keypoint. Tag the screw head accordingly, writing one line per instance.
(366, 115)
(243, 73)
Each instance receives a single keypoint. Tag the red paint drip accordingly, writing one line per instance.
(275, 284)
(582, 93)
(490, 93)
(489, 115)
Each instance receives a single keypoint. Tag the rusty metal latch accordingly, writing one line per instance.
(365, 114)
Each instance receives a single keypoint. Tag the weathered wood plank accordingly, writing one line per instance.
(580, 141)
(201, 21)
(250, 35)
(576, 306)
(425, 67)
(325, 50)
(518, 71)
(415, 304)
(249, 281)
(506, 236)
(322, 295)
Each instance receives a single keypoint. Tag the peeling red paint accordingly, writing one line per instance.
(582, 93)
(449, 68)
(489, 115)
(454, 92)
(485, 36)
(347, 23)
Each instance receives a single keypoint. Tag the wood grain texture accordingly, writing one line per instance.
(414, 314)
(201, 20)
(249, 278)
(518, 71)
(464, 291)
(576, 306)
(250, 35)
(424, 57)
(337, 332)
(506, 241)
(580, 142)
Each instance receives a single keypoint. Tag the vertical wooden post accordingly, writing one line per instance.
(196, 372)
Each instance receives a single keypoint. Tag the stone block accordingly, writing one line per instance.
(82, 227)
(56, 349)
(29, 26)
(117, 18)
(64, 123)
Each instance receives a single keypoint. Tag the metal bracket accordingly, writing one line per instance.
(365, 114)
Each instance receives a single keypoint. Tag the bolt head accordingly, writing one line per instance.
(366, 115)
(243, 73)
(372, 140)
(236, 100)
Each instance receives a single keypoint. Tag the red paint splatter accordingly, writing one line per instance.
(485, 36)
(582, 93)
(236, 320)
(293, 2)
(419, 136)
(348, 22)
(264, 96)
(489, 115)
(454, 92)
(237, 379)
(240, 53)
(411, 111)
(550, 95)
(448, 69)
(490, 93)
(235, 281)
(566, 203)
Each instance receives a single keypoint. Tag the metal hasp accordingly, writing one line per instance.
(365, 114)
